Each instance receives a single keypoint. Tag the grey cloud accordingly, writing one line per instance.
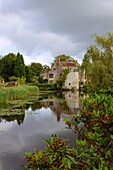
(62, 26)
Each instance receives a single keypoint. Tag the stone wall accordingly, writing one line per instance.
(72, 81)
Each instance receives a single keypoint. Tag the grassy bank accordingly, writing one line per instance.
(15, 93)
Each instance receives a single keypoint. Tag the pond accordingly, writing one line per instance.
(41, 119)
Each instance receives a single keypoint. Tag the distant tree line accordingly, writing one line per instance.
(12, 67)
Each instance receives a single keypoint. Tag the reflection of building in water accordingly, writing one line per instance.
(72, 100)
(56, 106)
(69, 104)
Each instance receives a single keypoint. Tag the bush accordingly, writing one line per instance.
(95, 143)
(55, 156)
(47, 86)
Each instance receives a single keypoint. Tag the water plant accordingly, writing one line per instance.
(18, 92)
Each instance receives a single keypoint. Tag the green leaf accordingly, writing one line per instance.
(71, 158)
(107, 154)
(66, 120)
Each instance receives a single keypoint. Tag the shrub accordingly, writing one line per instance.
(55, 156)
(95, 143)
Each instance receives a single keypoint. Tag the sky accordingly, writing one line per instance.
(43, 29)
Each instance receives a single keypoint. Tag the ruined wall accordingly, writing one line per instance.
(72, 81)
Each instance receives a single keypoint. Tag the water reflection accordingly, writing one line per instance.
(41, 119)
(60, 104)
(18, 118)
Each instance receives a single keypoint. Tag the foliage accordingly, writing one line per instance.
(0, 66)
(98, 62)
(1, 80)
(8, 63)
(21, 80)
(28, 74)
(64, 57)
(94, 128)
(19, 68)
(55, 156)
(46, 67)
(47, 86)
(36, 68)
(61, 81)
(13, 78)
(18, 92)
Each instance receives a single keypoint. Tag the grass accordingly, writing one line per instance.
(15, 93)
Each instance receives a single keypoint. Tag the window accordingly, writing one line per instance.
(50, 75)
(51, 103)
(60, 74)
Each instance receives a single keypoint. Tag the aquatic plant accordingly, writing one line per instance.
(18, 92)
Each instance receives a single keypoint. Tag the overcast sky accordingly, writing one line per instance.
(43, 29)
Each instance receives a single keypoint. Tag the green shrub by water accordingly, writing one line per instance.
(15, 93)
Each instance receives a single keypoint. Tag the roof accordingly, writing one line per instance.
(68, 64)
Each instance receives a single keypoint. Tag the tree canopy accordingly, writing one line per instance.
(98, 61)
(8, 64)
(64, 57)
(19, 69)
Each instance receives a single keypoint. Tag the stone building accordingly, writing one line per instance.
(72, 81)
(54, 74)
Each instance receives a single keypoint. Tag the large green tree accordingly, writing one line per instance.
(8, 64)
(36, 68)
(28, 74)
(98, 61)
(19, 69)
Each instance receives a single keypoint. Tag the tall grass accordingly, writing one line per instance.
(15, 93)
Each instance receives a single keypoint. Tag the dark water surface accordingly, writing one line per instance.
(39, 120)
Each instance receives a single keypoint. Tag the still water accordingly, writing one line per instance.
(39, 120)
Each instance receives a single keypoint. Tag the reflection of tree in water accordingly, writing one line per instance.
(36, 105)
(18, 118)
(59, 95)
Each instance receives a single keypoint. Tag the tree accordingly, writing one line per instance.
(45, 67)
(64, 57)
(98, 61)
(19, 69)
(8, 64)
(28, 74)
(36, 68)
(0, 66)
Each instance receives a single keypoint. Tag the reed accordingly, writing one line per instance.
(3, 96)
(15, 93)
